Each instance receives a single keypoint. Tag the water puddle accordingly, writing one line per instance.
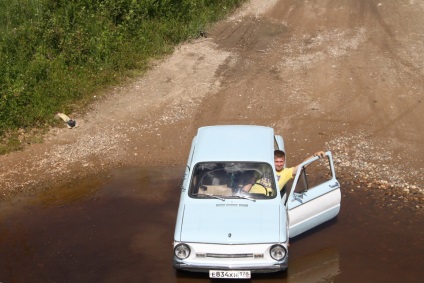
(119, 228)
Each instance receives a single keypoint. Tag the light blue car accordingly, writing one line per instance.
(230, 233)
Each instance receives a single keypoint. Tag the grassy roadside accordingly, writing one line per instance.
(55, 53)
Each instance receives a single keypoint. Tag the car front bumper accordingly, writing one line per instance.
(253, 257)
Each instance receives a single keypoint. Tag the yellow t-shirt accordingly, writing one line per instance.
(284, 176)
(258, 189)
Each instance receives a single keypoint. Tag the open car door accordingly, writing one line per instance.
(315, 196)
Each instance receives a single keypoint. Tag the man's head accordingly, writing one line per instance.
(279, 160)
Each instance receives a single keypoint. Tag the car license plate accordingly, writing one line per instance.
(236, 274)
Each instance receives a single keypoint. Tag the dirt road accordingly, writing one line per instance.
(345, 76)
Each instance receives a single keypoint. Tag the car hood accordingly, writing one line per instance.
(231, 223)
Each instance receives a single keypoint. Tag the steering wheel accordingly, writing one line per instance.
(266, 190)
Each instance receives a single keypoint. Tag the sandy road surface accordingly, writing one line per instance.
(345, 76)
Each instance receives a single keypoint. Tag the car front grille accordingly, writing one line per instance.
(225, 255)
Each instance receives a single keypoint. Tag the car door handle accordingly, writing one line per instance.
(299, 197)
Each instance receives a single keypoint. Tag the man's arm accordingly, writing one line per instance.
(320, 154)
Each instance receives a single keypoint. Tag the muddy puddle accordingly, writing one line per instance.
(119, 228)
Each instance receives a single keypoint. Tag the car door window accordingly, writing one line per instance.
(313, 175)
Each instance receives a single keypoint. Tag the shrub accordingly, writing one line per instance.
(57, 52)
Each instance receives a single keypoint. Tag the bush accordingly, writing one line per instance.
(57, 52)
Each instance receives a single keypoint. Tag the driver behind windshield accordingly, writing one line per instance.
(254, 184)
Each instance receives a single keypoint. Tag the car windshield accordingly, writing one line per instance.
(223, 180)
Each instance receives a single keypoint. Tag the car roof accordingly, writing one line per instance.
(234, 143)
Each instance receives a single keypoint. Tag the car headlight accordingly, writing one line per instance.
(182, 251)
(278, 252)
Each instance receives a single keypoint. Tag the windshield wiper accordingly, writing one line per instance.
(209, 195)
(244, 197)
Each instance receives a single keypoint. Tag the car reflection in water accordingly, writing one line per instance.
(322, 266)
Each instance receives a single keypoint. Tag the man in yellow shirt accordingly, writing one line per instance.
(283, 174)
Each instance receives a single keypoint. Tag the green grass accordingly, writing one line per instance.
(56, 53)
